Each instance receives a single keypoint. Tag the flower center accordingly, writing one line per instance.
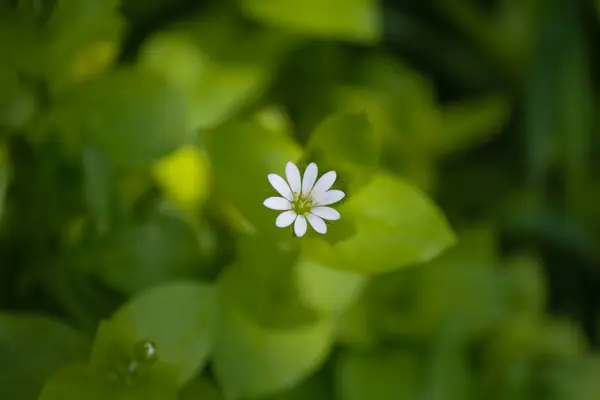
(302, 204)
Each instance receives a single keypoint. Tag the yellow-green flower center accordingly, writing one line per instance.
(302, 204)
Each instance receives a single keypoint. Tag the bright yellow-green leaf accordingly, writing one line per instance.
(396, 226)
(179, 318)
(353, 20)
(184, 177)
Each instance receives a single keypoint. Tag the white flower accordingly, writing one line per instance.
(303, 199)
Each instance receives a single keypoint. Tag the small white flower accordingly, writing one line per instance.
(303, 199)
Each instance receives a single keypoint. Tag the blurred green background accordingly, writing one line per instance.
(138, 262)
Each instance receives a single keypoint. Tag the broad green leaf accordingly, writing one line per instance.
(133, 116)
(250, 360)
(81, 381)
(137, 256)
(243, 154)
(179, 318)
(263, 283)
(210, 61)
(353, 20)
(396, 226)
(378, 375)
(326, 289)
(347, 143)
(31, 348)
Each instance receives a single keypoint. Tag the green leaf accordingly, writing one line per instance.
(470, 123)
(353, 20)
(18, 102)
(263, 283)
(81, 381)
(396, 226)
(461, 283)
(347, 143)
(378, 375)
(97, 185)
(136, 257)
(179, 318)
(250, 360)
(326, 289)
(134, 117)
(257, 152)
(200, 388)
(208, 60)
(31, 348)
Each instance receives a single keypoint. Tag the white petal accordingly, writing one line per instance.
(324, 183)
(281, 186)
(300, 226)
(329, 197)
(285, 219)
(310, 176)
(277, 203)
(326, 213)
(317, 223)
(293, 177)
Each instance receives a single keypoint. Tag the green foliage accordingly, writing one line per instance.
(179, 319)
(134, 117)
(251, 360)
(395, 226)
(354, 20)
(138, 258)
(34, 347)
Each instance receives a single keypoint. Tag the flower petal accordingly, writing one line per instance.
(326, 213)
(300, 226)
(281, 186)
(277, 203)
(285, 219)
(310, 176)
(324, 183)
(329, 197)
(317, 223)
(293, 176)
